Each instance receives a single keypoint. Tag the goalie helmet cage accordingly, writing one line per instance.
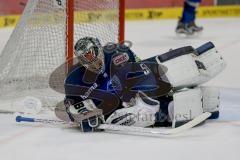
(44, 39)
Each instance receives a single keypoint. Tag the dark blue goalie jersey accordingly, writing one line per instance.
(82, 84)
(123, 76)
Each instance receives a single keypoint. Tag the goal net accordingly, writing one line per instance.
(44, 39)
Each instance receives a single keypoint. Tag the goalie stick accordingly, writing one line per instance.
(127, 129)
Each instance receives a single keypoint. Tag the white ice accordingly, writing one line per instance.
(215, 140)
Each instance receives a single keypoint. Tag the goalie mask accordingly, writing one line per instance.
(89, 52)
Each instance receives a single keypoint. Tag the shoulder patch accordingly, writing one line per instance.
(120, 59)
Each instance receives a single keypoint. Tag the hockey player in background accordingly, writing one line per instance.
(102, 79)
(186, 25)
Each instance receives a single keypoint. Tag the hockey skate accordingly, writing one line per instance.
(188, 29)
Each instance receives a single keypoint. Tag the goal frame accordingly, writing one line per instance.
(33, 56)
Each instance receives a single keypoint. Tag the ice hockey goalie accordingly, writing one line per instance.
(110, 84)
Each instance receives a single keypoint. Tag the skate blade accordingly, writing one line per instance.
(187, 35)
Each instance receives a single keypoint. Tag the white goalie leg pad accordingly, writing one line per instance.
(181, 70)
(192, 70)
(213, 63)
(211, 99)
(186, 105)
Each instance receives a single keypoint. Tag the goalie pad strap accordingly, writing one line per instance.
(205, 47)
(176, 53)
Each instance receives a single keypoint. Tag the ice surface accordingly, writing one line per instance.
(215, 140)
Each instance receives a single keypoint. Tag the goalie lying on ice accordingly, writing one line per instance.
(160, 91)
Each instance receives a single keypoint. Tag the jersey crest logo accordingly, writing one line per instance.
(120, 59)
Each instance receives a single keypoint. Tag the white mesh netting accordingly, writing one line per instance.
(37, 46)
